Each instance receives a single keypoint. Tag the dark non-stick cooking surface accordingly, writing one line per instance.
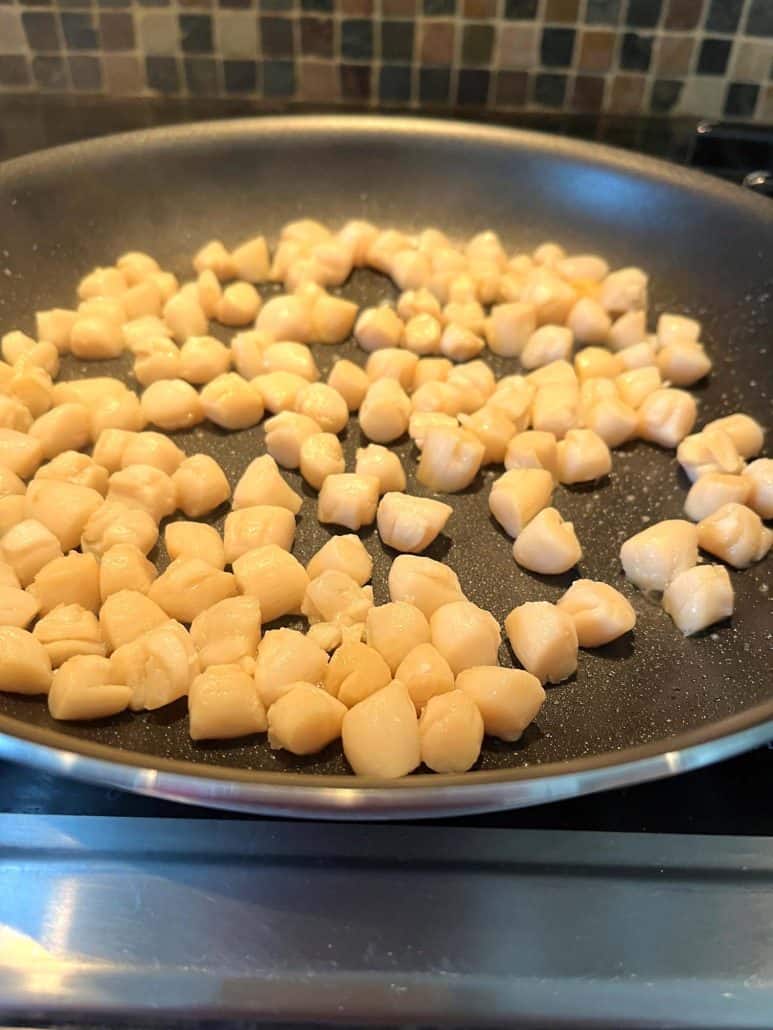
(709, 250)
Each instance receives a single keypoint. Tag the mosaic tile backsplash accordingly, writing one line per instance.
(710, 58)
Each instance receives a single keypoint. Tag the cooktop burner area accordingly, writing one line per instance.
(645, 906)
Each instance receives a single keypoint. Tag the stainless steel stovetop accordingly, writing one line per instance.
(650, 906)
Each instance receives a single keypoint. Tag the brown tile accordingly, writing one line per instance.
(361, 7)
(765, 109)
(588, 93)
(123, 75)
(318, 81)
(597, 47)
(398, 8)
(437, 42)
(480, 8)
(627, 94)
(512, 89)
(116, 30)
(316, 37)
(196, 3)
(518, 47)
(683, 14)
(673, 55)
(564, 11)
(356, 82)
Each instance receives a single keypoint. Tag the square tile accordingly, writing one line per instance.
(741, 99)
(317, 5)
(759, 20)
(702, 97)
(713, 56)
(511, 89)
(597, 47)
(636, 52)
(549, 89)
(602, 12)
(240, 76)
(113, 3)
(433, 8)
(437, 42)
(563, 11)
(557, 47)
(317, 36)
(683, 14)
(435, 85)
(201, 76)
(318, 81)
(363, 8)
(518, 46)
(196, 33)
(477, 44)
(752, 60)
(765, 110)
(277, 5)
(472, 87)
(357, 39)
(479, 9)
(278, 78)
(521, 10)
(355, 81)
(665, 95)
(397, 40)
(41, 29)
(85, 73)
(626, 95)
(276, 37)
(124, 76)
(14, 70)
(116, 30)
(12, 39)
(234, 4)
(79, 30)
(159, 32)
(643, 14)
(723, 15)
(162, 74)
(50, 73)
(394, 83)
(398, 8)
(236, 35)
(588, 93)
(673, 55)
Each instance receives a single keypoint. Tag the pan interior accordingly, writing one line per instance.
(709, 254)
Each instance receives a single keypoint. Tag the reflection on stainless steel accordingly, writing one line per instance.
(177, 919)
(415, 797)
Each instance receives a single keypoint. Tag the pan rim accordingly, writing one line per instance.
(422, 793)
(630, 161)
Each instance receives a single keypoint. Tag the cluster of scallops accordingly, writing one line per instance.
(414, 680)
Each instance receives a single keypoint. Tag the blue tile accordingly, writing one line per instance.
(278, 78)
(394, 83)
(357, 38)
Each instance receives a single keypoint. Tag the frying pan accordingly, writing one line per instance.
(646, 706)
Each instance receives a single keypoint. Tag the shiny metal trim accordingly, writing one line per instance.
(407, 799)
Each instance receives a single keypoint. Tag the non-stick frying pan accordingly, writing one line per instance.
(641, 708)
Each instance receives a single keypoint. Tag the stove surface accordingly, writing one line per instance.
(725, 799)
(644, 907)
